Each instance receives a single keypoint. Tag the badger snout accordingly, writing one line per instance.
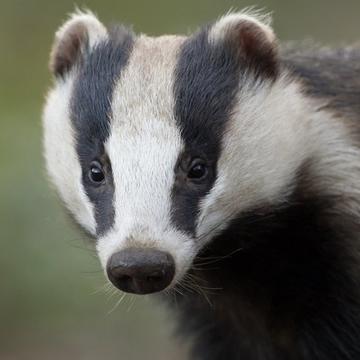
(141, 271)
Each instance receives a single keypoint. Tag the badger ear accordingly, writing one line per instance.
(83, 30)
(252, 39)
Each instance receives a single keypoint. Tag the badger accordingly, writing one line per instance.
(222, 170)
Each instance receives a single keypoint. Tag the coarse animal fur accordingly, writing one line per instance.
(266, 248)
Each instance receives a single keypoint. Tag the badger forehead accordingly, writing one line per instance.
(143, 93)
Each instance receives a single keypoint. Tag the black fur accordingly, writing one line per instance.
(332, 74)
(207, 79)
(283, 282)
(91, 114)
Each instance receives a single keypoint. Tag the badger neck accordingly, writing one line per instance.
(281, 276)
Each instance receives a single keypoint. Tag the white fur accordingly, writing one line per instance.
(336, 162)
(95, 29)
(61, 158)
(226, 24)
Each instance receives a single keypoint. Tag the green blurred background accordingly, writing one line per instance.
(53, 304)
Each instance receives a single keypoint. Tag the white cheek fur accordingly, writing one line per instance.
(61, 159)
(263, 147)
(59, 139)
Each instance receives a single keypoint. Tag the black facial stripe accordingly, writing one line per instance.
(91, 114)
(207, 80)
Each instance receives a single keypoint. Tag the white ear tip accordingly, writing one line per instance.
(82, 29)
(95, 29)
(226, 23)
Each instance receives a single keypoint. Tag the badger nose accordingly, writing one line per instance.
(141, 271)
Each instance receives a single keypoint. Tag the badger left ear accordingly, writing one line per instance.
(82, 30)
(252, 39)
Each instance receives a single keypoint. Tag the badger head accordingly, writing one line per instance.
(156, 144)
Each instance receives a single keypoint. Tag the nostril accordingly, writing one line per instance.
(124, 278)
(154, 278)
(141, 271)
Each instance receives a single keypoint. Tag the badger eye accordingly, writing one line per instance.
(198, 171)
(96, 173)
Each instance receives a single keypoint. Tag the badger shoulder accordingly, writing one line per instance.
(331, 74)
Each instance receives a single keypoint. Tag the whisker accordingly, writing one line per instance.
(102, 289)
(197, 281)
(248, 220)
(111, 293)
(132, 302)
(122, 297)
(75, 245)
(216, 259)
(217, 226)
(193, 284)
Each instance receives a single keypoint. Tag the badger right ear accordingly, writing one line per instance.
(83, 30)
(252, 39)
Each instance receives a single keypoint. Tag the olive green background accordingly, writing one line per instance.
(53, 304)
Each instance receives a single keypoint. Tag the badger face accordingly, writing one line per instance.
(156, 144)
